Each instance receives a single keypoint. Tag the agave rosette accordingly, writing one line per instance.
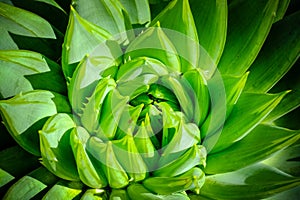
(192, 103)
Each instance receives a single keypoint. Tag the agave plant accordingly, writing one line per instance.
(137, 99)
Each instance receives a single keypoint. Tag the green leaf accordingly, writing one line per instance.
(138, 10)
(178, 18)
(108, 15)
(94, 194)
(101, 63)
(119, 194)
(249, 23)
(144, 144)
(22, 22)
(17, 162)
(249, 111)
(129, 158)
(190, 180)
(52, 3)
(248, 150)
(5, 177)
(282, 7)
(104, 154)
(21, 70)
(64, 190)
(138, 191)
(89, 173)
(201, 95)
(113, 107)
(286, 160)
(279, 53)
(81, 38)
(255, 182)
(194, 156)
(6, 42)
(30, 185)
(14, 65)
(56, 150)
(91, 113)
(154, 43)
(23, 128)
(211, 25)
(224, 93)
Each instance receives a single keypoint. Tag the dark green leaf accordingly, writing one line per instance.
(249, 111)
(57, 155)
(211, 21)
(138, 10)
(249, 23)
(258, 145)
(279, 53)
(24, 127)
(255, 182)
(22, 22)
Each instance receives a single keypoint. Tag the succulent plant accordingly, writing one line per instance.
(137, 99)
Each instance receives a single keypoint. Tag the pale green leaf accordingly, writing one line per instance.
(56, 151)
(94, 194)
(254, 182)
(279, 53)
(129, 158)
(22, 22)
(249, 23)
(35, 107)
(287, 160)
(106, 157)
(5, 177)
(138, 11)
(248, 150)
(102, 62)
(81, 38)
(30, 185)
(64, 190)
(154, 43)
(89, 173)
(211, 21)
(23, 71)
(6, 42)
(178, 23)
(224, 93)
(106, 14)
(249, 111)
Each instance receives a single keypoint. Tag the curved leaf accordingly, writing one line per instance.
(248, 26)
(80, 39)
(138, 10)
(211, 21)
(64, 190)
(30, 185)
(23, 71)
(22, 22)
(56, 150)
(177, 21)
(108, 15)
(89, 173)
(279, 53)
(255, 182)
(24, 127)
(258, 145)
(249, 111)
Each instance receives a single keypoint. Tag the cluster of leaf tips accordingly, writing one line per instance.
(138, 99)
